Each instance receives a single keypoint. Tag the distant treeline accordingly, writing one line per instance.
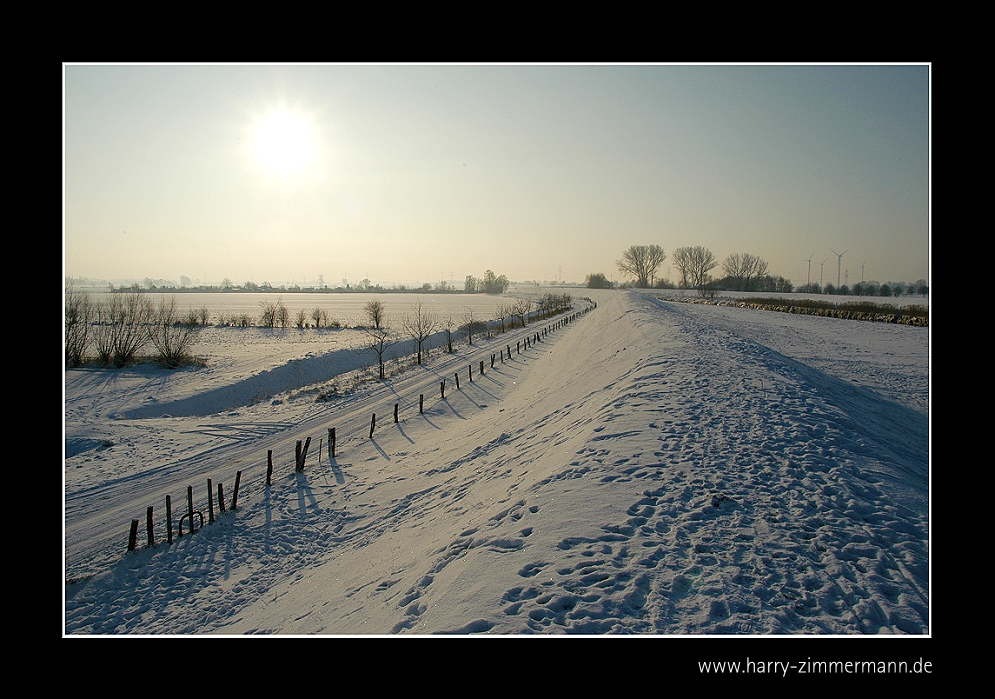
(489, 283)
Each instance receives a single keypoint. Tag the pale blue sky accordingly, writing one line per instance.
(430, 172)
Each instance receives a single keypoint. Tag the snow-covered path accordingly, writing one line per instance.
(654, 467)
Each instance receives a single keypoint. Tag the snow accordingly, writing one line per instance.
(653, 467)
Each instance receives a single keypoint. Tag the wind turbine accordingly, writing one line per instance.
(809, 260)
(822, 266)
(839, 263)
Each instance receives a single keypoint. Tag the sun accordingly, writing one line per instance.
(284, 142)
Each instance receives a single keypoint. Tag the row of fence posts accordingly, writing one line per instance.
(190, 516)
(525, 344)
(300, 456)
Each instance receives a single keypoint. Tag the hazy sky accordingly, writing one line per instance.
(413, 174)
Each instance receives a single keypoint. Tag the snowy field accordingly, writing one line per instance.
(653, 467)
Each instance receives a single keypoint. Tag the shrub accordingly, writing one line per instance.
(274, 314)
(171, 336)
(79, 314)
(320, 317)
(121, 327)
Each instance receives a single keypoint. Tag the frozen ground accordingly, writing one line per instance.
(651, 468)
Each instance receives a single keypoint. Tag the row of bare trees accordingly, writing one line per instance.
(743, 271)
(119, 327)
(419, 324)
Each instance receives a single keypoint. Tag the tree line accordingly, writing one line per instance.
(489, 283)
(742, 272)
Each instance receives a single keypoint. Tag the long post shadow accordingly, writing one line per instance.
(336, 470)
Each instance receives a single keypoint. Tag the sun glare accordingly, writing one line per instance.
(284, 142)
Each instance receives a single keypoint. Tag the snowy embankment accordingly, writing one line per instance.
(653, 467)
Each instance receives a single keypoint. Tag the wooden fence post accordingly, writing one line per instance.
(421, 403)
(221, 499)
(302, 453)
(457, 380)
(373, 424)
(331, 442)
(269, 467)
(133, 535)
(395, 413)
(234, 497)
(470, 372)
(442, 389)
(210, 502)
(190, 508)
(148, 526)
(169, 520)
(482, 365)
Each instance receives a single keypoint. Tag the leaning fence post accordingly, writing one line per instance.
(234, 497)
(302, 453)
(133, 535)
(221, 499)
(169, 520)
(148, 526)
(373, 424)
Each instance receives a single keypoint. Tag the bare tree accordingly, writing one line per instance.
(169, 335)
(641, 262)
(449, 327)
(274, 314)
(501, 314)
(694, 264)
(320, 317)
(521, 309)
(379, 340)
(79, 315)
(375, 312)
(121, 328)
(103, 332)
(419, 325)
(468, 323)
(744, 270)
